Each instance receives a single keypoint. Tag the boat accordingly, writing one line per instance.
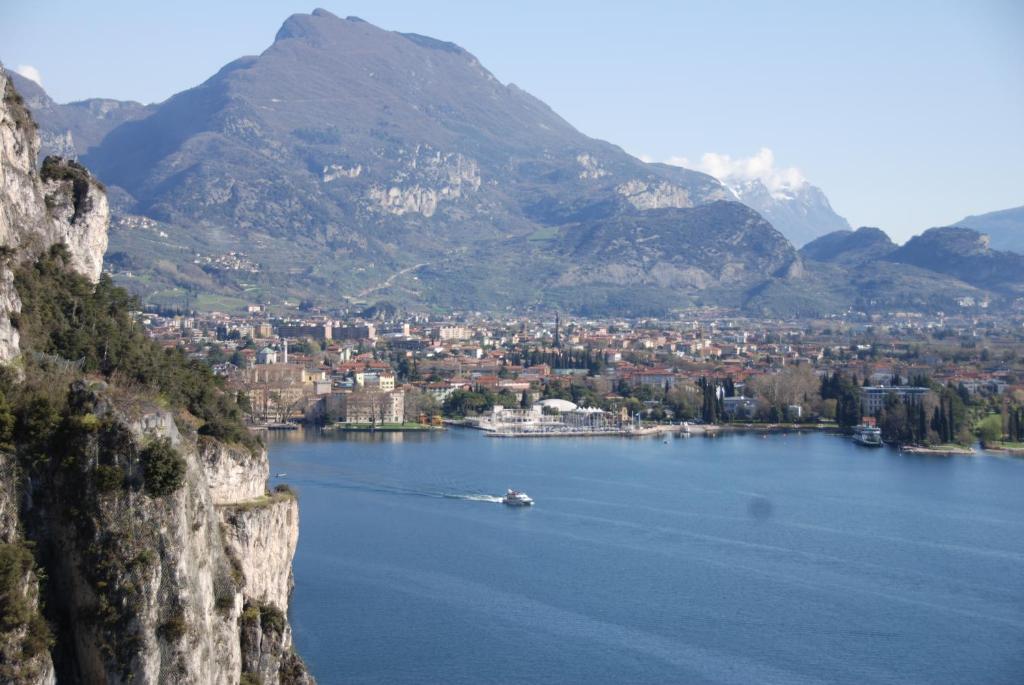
(280, 475)
(868, 435)
(514, 498)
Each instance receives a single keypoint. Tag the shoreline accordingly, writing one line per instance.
(654, 431)
(1008, 451)
(951, 451)
(386, 428)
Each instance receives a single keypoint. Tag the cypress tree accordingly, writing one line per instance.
(922, 424)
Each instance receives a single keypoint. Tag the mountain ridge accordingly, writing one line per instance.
(345, 161)
(1005, 227)
(396, 149)
(800, 212)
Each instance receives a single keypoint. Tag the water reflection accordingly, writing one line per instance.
(315, 434)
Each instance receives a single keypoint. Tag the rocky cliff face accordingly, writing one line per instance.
(146, 582)
(62, 204)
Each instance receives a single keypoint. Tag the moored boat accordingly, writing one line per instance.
(868, 435)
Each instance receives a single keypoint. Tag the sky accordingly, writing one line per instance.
(907, 114)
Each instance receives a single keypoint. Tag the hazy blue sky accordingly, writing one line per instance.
(908, 115)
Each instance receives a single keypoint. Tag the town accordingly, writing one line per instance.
(927, 382)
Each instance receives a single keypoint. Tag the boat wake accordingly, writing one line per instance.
(350, 483)
(477, 498)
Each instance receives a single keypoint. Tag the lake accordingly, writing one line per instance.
(796, 558)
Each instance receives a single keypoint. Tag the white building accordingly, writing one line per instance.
(873, 397)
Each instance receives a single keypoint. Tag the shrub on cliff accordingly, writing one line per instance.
(163, 468)
(66, 316)
(20, 622)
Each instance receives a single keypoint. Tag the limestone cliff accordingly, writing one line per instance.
(62, 204)
(137, 543)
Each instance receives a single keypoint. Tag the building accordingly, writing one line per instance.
(873, 397)
(316, 332)
(366, 406)
(361, 332)
(739, 407)
(267, 355)
(281, 391)
(552, 416)
(445, 333)
(376, 380)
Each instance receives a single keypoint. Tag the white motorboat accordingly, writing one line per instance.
(514, 498)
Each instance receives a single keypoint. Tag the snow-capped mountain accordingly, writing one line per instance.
(799, 211)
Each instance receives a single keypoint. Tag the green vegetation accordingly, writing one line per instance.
(711, 401)
(108, 478)
(271, 618)
(164, 468)
(844, 391)
(174, 628)
(471, 402)
(16, 105)
(65, 316)
(990, 429)
(1003, 430)
(19, 620)
(85, 360)
(281, 493)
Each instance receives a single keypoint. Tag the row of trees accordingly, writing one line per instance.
(560, 359)
(1015, 427)
(845, 394)
(711, 406)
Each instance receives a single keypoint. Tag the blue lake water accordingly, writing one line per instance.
(739, 559)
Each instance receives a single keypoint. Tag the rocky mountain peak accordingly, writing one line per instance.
(799, 210)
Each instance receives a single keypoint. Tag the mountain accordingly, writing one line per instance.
(856, 247)
(800, 211)
(859, 269)
(138, 540)
(347, 159)
(965, 254)
(349, 164)
(72, 129)
(1005, 228)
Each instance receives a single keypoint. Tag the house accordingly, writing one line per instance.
(739, 407)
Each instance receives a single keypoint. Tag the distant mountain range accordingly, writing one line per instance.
(1005, 228)
(346, 161)
(931, 271)
(801, 212)
(73, 129)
